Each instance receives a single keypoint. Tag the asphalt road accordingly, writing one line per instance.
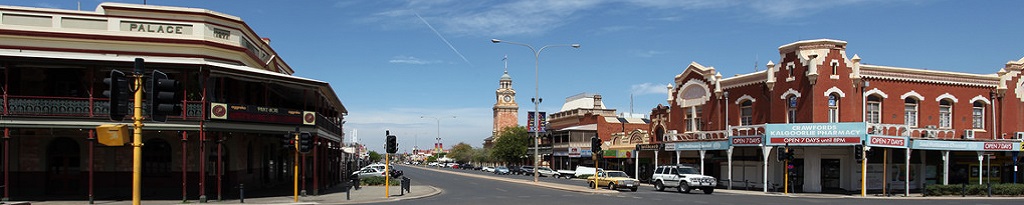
(460, 189)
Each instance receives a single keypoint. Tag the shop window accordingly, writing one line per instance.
(874, 109)
(910, 112)
(978, 115)
(746, 113)
(945, 113)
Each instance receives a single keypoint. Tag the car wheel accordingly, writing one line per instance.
(633, 189)
(659, 186)
(709, 190)
(683, 187)
(611, 186)
(590, 184)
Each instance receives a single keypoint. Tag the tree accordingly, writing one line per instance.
(481, 155)
(461, 152)
(511, 145)
(375, 157)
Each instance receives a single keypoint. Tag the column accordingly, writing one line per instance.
(945, 167)
(812, 169)
(702, 152)
(728, 155)
(766, 150)
(906, 174)
(981, 171)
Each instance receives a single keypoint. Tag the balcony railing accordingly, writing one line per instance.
(912, 132)
(78, 107)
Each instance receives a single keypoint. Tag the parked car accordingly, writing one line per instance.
(514, 170)
(369, 172)
(614, 180)
(684, 178)
(547, 172)
(566, 173)
(467, 166)
(526, 170)
(487, 169)
(501, 170)
(584, 170)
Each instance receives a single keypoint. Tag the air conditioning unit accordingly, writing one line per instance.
(969, 134)
(1019, 136)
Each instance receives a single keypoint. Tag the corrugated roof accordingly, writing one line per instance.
(586, 102)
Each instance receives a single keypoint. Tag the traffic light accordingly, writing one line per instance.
(781, 154)
(858, 153)
(595, 145)
(790, 154)
(164, 98)
(117, 92)
(288, 142)
(305, 142)
(392, 144)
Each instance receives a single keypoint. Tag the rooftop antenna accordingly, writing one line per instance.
(505, 59)
(756, 59)
(630, 103)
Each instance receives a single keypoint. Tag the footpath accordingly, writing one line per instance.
(366, 194)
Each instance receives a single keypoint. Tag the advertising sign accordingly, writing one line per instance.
(574, 152)
(530, 127)
(816, 134)
(963, 146)
(702, 145)
(887, 141)
(747, 141)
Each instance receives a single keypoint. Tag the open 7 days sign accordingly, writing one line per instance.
(821, 134)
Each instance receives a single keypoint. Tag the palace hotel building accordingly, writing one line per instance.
(241, 103)
(920, 126)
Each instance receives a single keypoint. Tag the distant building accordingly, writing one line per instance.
(583, 116)
(506, 109)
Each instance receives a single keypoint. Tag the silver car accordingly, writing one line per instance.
(369, 172)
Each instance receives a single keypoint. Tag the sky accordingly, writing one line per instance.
(427, 68)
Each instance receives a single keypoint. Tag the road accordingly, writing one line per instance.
(459, 189)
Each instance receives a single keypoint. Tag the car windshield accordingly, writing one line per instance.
(617, 174)
(688, 170)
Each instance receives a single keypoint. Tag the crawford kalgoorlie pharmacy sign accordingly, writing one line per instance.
(816, 134)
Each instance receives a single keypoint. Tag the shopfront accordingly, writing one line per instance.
(823, 159)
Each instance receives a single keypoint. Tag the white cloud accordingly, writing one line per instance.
(647, 54)
(411, 60)
(648, 88)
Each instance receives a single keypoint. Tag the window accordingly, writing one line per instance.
(790, 68)
(833, 107)
(978, 115)
(945, 113)
(835, 68)
(693, 121)
(660, 170)
(791, 113)
(910, 112)
(874, 109)
(746, 113)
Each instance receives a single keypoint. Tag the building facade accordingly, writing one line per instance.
(920, 126)
(241, 106)
(583, 116)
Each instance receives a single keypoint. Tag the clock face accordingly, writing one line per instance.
(508, 98)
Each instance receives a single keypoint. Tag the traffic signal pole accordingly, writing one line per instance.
(387, 176)
(137, 139)
(295, 186)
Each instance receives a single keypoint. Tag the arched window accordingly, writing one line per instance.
(833, 107)
(874, 109)
(945, 113)
(835, 68)
(910, 112)
(978, 115)
(746, 113)
(791, 112)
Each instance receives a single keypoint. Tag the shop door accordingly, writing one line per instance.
(830, 175)
(63, 167)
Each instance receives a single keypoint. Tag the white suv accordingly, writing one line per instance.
(684, 178)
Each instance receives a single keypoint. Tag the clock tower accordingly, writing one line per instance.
(506, 111)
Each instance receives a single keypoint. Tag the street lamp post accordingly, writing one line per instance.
(436, 151)
(536, 97)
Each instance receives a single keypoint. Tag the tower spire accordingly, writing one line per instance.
(505, 59)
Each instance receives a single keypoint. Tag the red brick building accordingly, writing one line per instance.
(919, 115)
(584, 116)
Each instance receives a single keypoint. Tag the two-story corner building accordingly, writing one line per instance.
(241, 103)
(821, 103)
(584, 116)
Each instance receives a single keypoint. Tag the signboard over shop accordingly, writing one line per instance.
(747, 141)
(816, 134)
(964, 146)
(701, 145)
(887, 141)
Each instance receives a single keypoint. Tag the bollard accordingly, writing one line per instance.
(241, 193)
(408, 184)
(348, 190)
(924, 190)
(746, 184)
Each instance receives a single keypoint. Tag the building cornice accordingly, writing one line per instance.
(928, 76)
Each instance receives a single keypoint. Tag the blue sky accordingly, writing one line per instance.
(393, 61)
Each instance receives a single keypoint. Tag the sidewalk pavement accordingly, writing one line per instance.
(366, 194)
(573, 188)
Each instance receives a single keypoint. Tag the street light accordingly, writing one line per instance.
(436, 151)
(536, 97)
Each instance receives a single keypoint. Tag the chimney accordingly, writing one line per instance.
(597, 102)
